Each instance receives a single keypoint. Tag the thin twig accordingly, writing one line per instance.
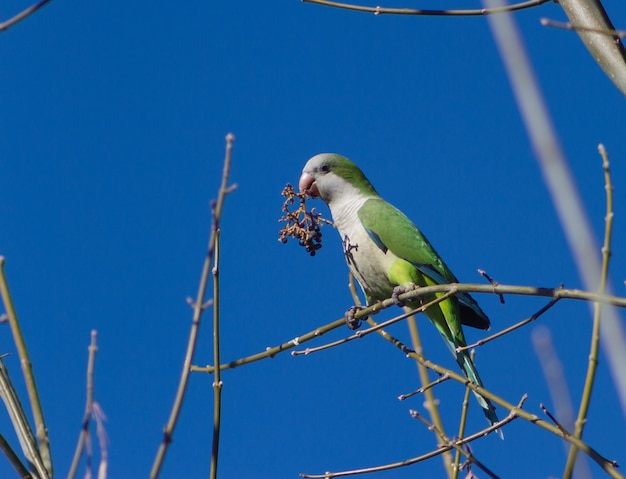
(530, 319)
(27, 371)
(272, 352)
(15, 461)
(197, 313)
(20, 422)
(412, 11)
(607, 465)
(557, 293)
(559, 182)
(430, 399)
(99, 418)
(553, 419)
(84, 432)
(462, 424)
(430, 402)
(594, 347)
(431, 384)
(579, 28)
(217, 381)
(408, 462)
(366, 332)
(492, 281)
(447, 441)
(556, 381)
(22, 15)
(353, 291)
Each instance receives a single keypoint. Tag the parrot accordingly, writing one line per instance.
(388, 255)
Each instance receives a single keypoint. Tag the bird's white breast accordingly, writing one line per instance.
(366, 260)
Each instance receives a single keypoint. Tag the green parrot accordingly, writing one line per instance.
(388, 255)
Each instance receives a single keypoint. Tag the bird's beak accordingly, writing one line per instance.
(307, 185)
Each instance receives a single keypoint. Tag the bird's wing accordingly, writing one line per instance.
(392, 231)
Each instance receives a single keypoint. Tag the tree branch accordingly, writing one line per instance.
(22, 15)
(93, 347)
(594, 347)
(198, 308)
(408, 462)
(412, 11)
(27, 371)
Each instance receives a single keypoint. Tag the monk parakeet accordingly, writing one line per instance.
(388, 255)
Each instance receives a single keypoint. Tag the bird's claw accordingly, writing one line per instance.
(352, 322)
(397, 291)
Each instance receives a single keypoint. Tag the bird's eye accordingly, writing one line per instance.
(325, 168)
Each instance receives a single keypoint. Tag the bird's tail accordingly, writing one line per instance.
(466, 363)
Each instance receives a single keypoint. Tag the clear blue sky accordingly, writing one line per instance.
(113, 117)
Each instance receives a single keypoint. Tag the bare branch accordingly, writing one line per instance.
(557, 293)
(217, 383)
(546, 22)
(512, 328)
(412, 11)
(430, 402)
(15, 461)
(20, 423)
(365, 332)
(27, 371)
(197, 314)
(492, 281)
(594, 347)
(447, 441)
(22, 15)
(84, 433)
(557, 173)
(432, 384)
(609, 466)
(408, 462)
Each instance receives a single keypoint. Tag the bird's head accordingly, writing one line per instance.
(329, 176)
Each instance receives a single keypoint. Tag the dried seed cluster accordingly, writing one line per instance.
(301, 224)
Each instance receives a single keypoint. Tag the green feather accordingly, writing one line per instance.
(419, 264)
(392, 231)
(346, 169)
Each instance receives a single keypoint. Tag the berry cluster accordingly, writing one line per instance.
(301, 224)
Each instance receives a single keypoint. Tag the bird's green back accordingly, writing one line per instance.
(392, 231)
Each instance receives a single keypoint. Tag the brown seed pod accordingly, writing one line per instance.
(301, 224)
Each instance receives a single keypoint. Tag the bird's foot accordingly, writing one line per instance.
(398, 290)
(352, 322)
